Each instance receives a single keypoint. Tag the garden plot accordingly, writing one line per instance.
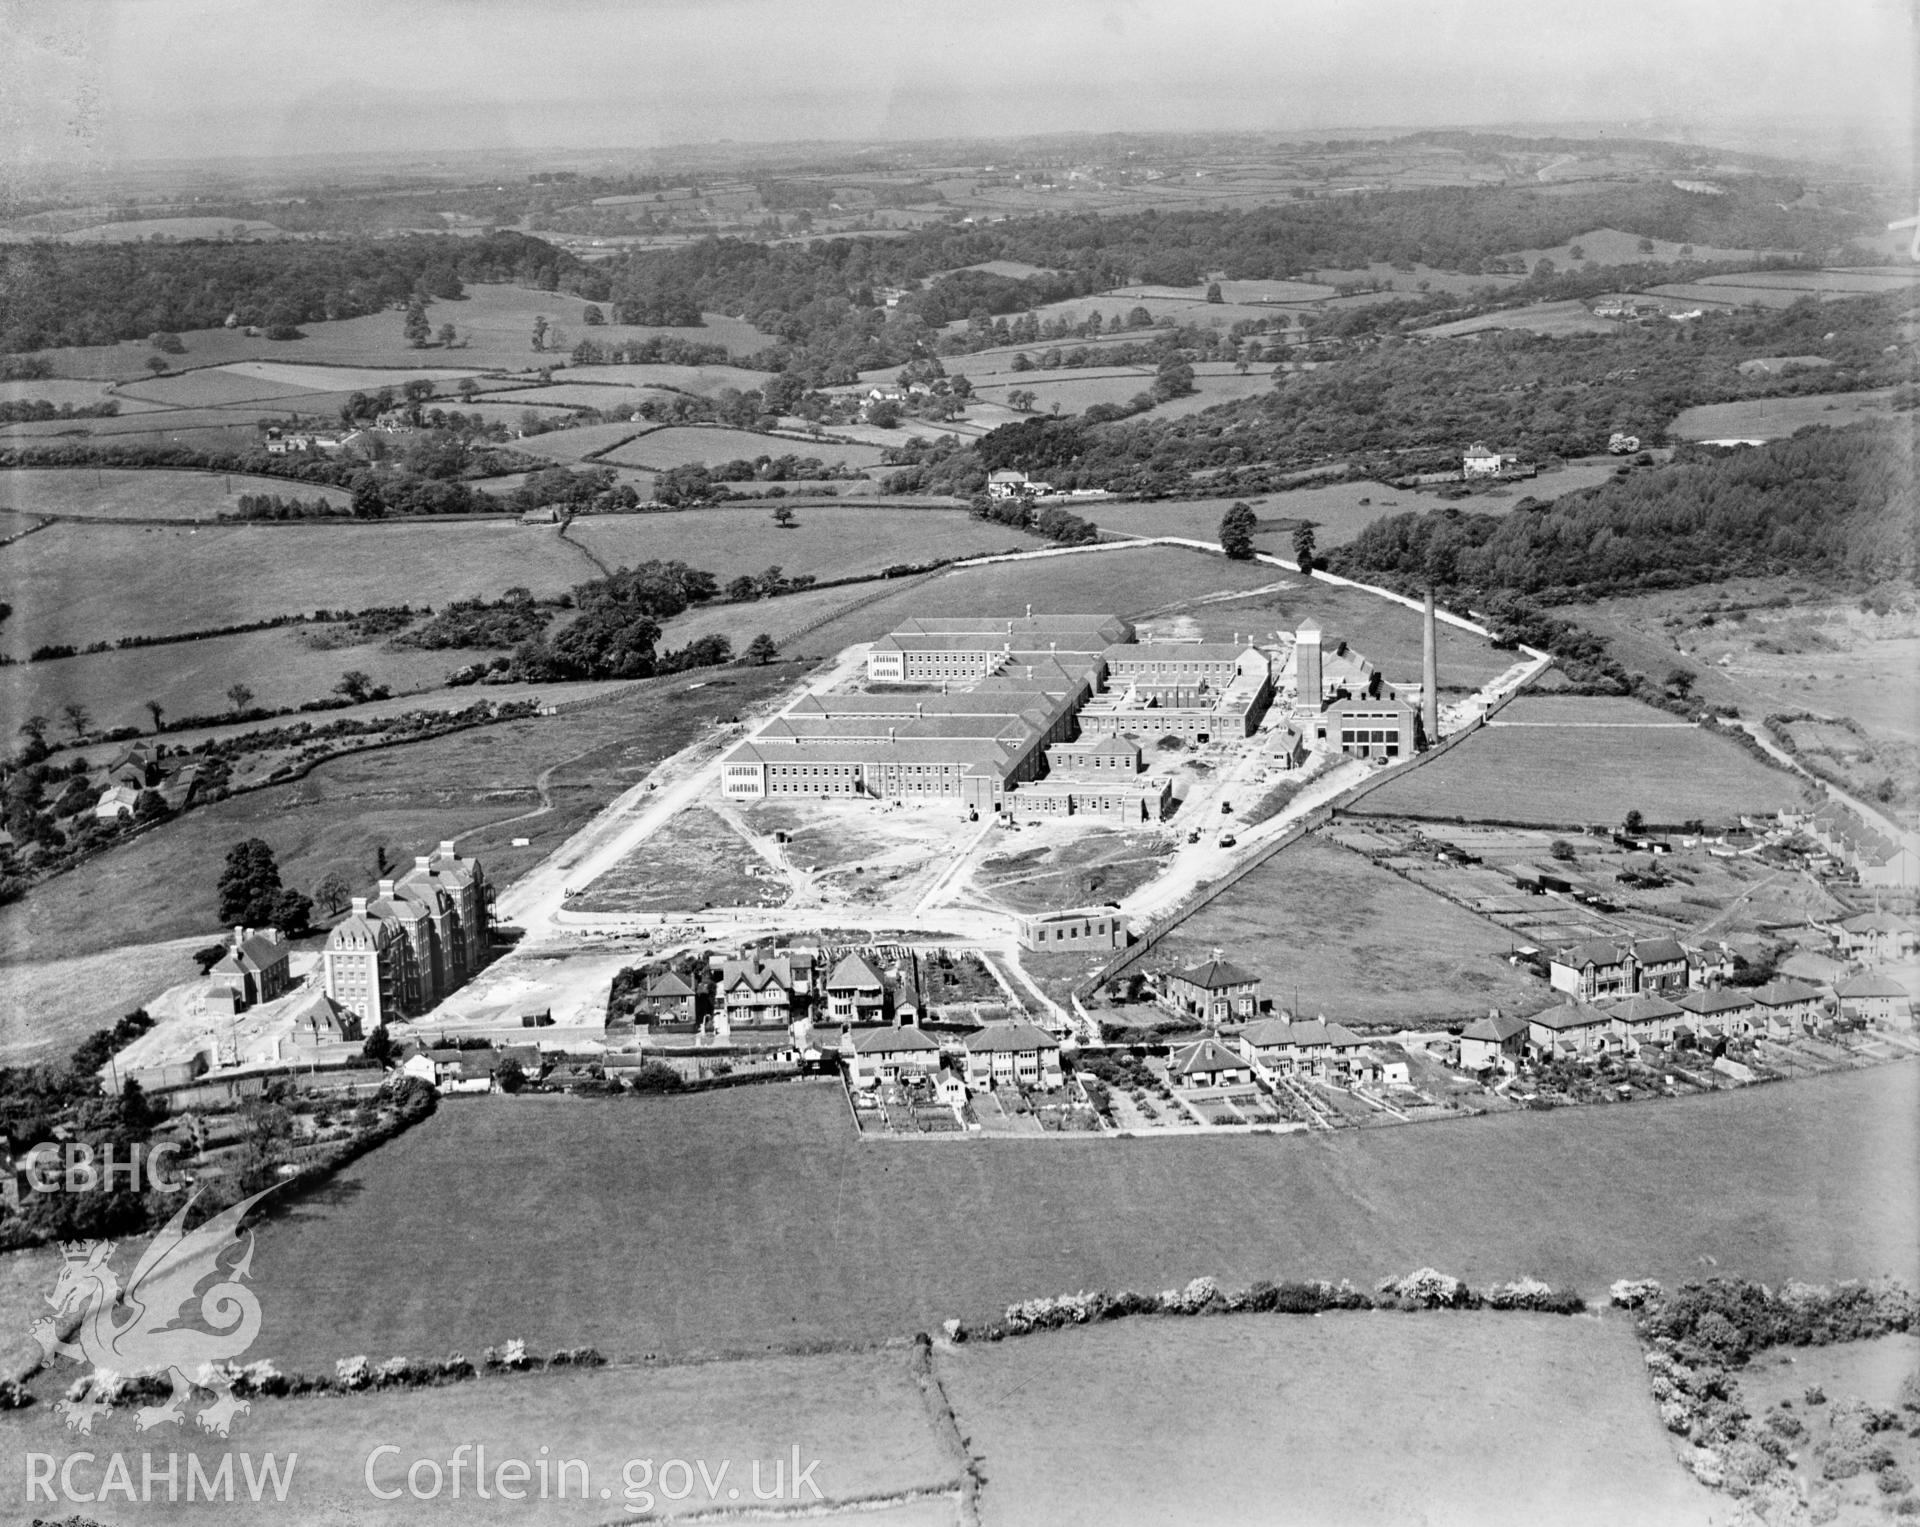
(696, 860)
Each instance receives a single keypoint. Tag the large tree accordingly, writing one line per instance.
(251, 892)
(1237, 526)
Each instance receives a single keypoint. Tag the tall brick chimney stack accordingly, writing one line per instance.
(1430, 675)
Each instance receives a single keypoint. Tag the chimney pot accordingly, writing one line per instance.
(359, 906)
(386, 888)
(422, 862)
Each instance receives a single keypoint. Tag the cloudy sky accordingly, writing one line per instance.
(101, 80)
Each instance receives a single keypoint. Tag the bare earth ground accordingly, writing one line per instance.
(1335, 1421)
(1071, 869)
(696, 857)
(42, 1002)
(1330, 933)
(677, 1206)
(860, 1414)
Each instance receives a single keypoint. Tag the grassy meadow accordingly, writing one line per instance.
(115, 493)
(679, 445)
(1574, 775)
(1328, 931)
(1385, 1420)
(1775, 418)
(863, 1419)
(676, 1200)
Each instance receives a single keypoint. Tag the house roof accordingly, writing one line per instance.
(667, 984)
(1281, 1032)
(1871, 985)
(1570, 1015)
(1593, 951)
(888, 1041)
(1785, 993)
(1216, 975)
(1496, 1028)
(1016, 1036)
(1647, 1007)
(1204, 1057)
(1877, 922)
(1712, 1001)
(853, 971)
(1658, 951)
(362, 931)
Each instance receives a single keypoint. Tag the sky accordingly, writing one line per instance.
(108, 80)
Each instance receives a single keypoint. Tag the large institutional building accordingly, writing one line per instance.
(419, 937)
(1058, 708)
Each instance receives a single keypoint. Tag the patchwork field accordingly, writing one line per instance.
(494, 324)
(538, 779)
(1329, 932)
(1574, 775)
(114, 493)
(680, 445)
(75, 584)
(827, 541)
(1386, 1420)
(1774, 418)
(1550, 318)
(677, 1201)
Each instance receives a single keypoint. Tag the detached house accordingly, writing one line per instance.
(255, 966)
(667, 1001)
(1874, 938)
(760, 992)
(855, 992)
(116, 802)
(1216, 992)
(1207, 1063)
(1012, 1054)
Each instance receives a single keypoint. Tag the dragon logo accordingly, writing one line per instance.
(139, 1328)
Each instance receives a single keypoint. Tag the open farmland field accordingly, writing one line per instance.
(1387, 1419)
(1214, 387)
(1774, 418)
(1235, 292)
(705, 380)
(864, 1420)
(1843, 283)
(1609, 246)
(577, 395)
(1113, 308)
(680, 445)
(113, 493)
(494, 324)
(1699, 294)
(228, 429)
(567, 446)
(1075, 390)
(538, 778)
(48, 1006)
(76, 584)
(1328, 931)
(827, 542)
(1549, 318)
(56, 390)
(680, 1198)
(143, 230)
(1574, 775)
(281, 667)
(1407, 283)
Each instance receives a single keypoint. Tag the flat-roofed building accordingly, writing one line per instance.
(1053, 931)
(932, 648)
